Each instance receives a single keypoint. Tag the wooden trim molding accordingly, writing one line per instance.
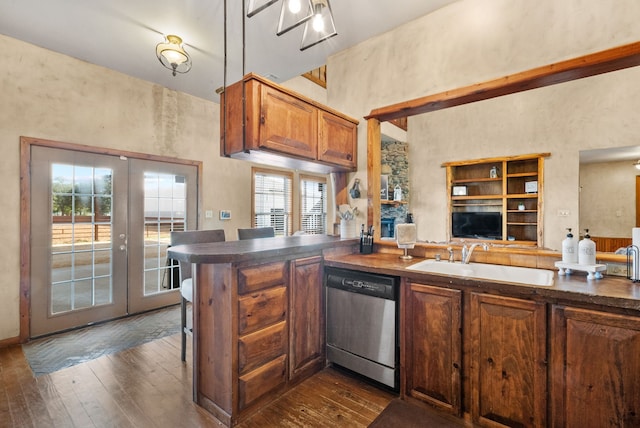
(613, 59)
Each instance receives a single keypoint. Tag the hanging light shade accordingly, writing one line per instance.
(320, 27)
(172, 55)
(293, 13)
(256, 6)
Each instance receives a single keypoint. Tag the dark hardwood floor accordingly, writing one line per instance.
(148, 386)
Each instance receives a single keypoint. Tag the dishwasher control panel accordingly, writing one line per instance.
(362, 282)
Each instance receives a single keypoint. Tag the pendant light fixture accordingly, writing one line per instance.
(256, 6)
(320, 27)
(172, 55)
(315, 14)
(293, 13)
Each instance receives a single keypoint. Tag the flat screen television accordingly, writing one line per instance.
(480, 225)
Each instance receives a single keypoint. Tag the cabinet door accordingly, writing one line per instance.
(508, 361)
(595, 369)
(432, 345)
(287, 124)
(306, 317)
(337, 140)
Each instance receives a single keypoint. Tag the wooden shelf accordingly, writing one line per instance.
(495, 204)
(501, 194)
(467, 198)
(391, 202)
(523, 174)
(476, 180)
(522, 196)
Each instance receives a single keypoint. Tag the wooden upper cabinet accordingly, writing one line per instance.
(337, 140)
(284, 128)
(286, 124)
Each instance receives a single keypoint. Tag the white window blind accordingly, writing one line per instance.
(272, 196)
(313, 205)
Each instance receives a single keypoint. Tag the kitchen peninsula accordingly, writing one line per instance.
(493, 352)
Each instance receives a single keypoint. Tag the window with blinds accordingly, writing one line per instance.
(313, 205)
(272, 200)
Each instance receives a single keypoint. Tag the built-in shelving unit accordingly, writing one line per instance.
(511, 186)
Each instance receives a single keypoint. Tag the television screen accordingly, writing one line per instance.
(481, 225)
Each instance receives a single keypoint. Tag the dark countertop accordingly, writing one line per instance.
(611, 291)
(255, 249)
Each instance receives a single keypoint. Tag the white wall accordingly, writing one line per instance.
(473, 41)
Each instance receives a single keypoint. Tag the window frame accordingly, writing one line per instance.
(301, 205)
(288, 223)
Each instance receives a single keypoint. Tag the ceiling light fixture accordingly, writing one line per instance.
(315, 14)
(292, 14)
(637, 164)
(319, 28)
(256, 6)
(172, 55)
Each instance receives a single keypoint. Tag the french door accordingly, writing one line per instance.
(100, 228)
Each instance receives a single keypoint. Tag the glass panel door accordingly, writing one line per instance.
(78, 273)
(100, 229)
(167, 201)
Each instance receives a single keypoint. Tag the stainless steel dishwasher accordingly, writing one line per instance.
(362, 327)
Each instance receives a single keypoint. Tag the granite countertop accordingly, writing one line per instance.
(255, 249)
(610, 291)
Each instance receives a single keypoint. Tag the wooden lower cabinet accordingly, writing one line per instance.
(306, 321)
(595, 369)
(262, 331)
(508, 361)
(259, 329)
(432, 349)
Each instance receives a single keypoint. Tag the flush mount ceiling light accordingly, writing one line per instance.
(172, 55)
(637, 164)
(315, 14)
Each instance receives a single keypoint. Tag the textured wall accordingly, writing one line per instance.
(608, 198)
(477, 40)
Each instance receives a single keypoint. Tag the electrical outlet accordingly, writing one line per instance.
(208, 214)
(563, 213)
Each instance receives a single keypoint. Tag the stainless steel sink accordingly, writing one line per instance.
(512, 274)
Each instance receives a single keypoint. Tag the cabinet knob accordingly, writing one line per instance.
(349, 156)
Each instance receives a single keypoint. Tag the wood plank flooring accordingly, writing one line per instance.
(148, 386)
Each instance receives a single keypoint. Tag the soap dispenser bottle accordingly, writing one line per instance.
(569, 248)
(587, 250)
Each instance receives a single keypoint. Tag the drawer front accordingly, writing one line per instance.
(255, 384)
(261, 309)
(255, 278)
(262, 346)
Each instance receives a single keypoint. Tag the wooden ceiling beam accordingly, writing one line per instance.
(613, 59)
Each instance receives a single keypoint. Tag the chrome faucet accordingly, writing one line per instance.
(467, 251)
(450, 250)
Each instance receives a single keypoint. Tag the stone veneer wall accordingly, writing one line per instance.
(395, 163)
